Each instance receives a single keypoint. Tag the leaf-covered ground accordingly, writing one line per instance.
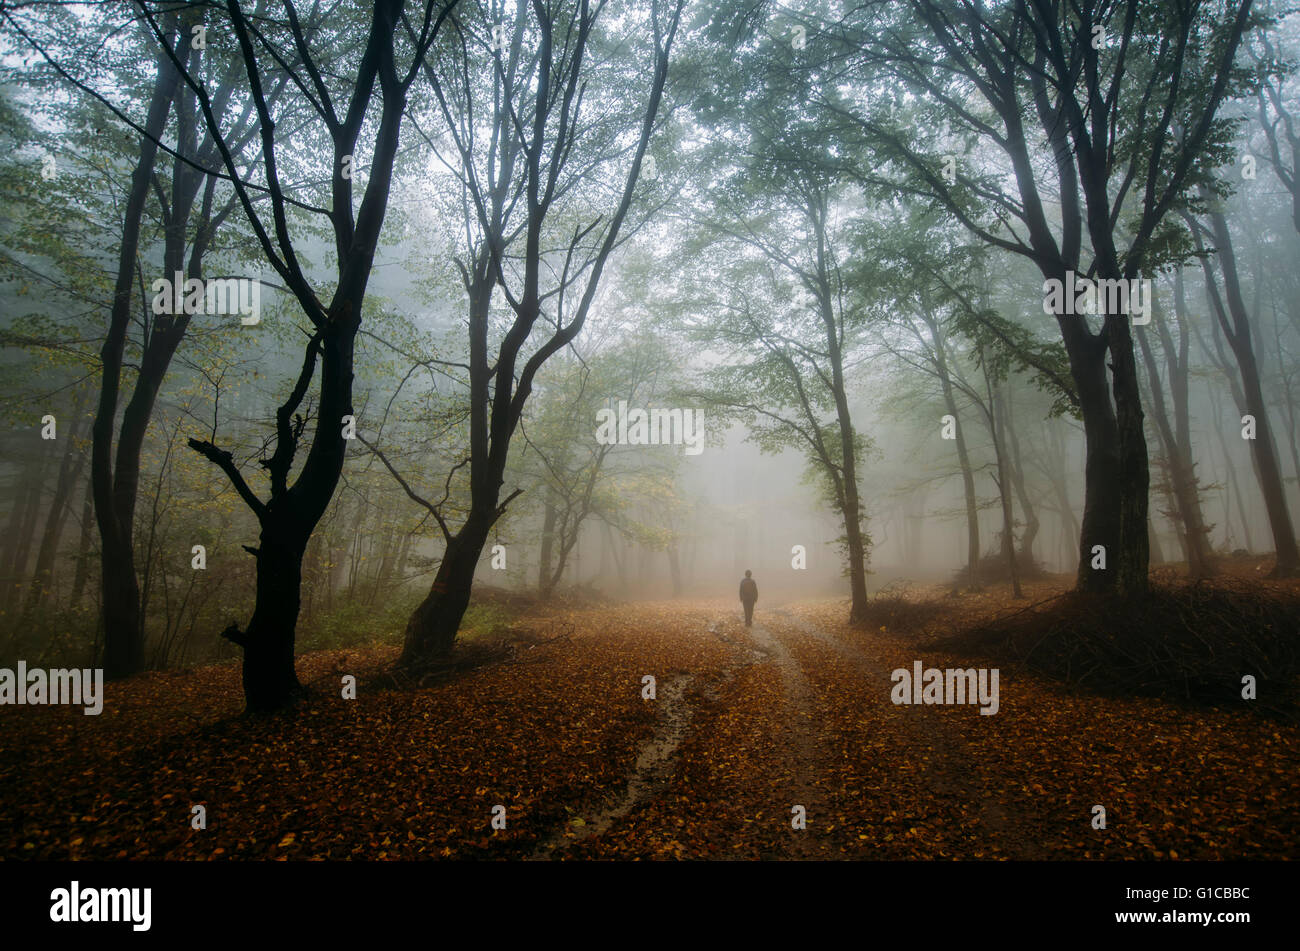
(747, 724)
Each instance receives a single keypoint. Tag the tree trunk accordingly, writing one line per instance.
(1016, 465)
(1116, 472)
(1232, 480)
(123, 628)
(402, 559)
(268, 673)
(1177, 359)
(499, 389)
(967, 481)
(1003, 479)
(1263, 445)
(1134, 484)
(354, 550)
(548, 542)
(82, 571)
(1100, 525)
(1008, 530)
(22, 523)
(1183, 489)
(1292, 425)
(852, 502)
(388, 552)
(431, 630)
(69, 472)
(1061, 489)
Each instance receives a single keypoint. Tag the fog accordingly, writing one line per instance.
(563, 430)
(824, 281)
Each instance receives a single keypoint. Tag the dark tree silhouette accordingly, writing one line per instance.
(288, 517)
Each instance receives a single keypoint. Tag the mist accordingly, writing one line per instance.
(583, 409)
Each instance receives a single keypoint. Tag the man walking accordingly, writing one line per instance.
(748, 597)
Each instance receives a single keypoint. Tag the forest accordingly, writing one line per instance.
(394, 395)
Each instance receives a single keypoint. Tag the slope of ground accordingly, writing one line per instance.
(779, 741)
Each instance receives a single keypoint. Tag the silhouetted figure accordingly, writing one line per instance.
(748, 597)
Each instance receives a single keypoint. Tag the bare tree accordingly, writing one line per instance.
(527, 151)
(340, 100)
(1234, 320)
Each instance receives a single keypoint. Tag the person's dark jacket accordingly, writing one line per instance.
(748, 591)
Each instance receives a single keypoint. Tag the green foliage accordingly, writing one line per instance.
(485, 621)
(359, 622)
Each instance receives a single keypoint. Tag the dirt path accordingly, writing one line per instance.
(654, 767)
(950, 772)
(801, 754)
(676, 704)
(790, 754)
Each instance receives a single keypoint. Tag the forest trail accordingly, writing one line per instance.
(560, 741)
(930, 740)
(650, 775)
(798, 714)
(799, 758)
(809, 721)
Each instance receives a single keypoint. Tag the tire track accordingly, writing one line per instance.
(798, 714)
(657, 760)
(655, 764)
(949, 774)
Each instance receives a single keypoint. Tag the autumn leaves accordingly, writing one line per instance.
(744, 725)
